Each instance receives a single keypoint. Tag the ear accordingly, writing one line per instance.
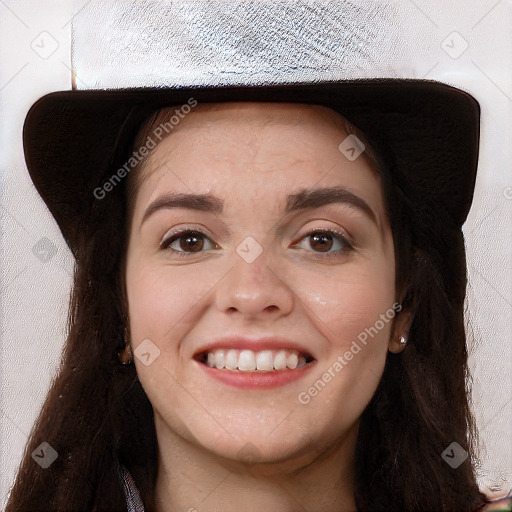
(401, 327)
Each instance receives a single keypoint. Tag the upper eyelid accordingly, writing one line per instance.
(336, 231)
(228, 232)
(166, 242)
(180, 230)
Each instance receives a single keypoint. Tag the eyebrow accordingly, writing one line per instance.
(299, 200)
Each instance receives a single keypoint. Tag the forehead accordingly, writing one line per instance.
(238, 120)
(259, 113)
(218, 145)
(244, 125)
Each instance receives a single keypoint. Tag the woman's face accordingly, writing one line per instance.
(264, 278)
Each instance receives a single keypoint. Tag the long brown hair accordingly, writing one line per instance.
(96, 411)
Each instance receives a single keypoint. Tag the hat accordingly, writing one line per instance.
(426, 133)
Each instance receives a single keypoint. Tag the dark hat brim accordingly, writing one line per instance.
(427, 131)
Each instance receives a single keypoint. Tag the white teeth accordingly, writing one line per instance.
(292, 360)
(264, 360)
(219, 359)
(231, 359)
(249, 361)
(280, 360)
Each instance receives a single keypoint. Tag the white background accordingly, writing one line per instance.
(114, 44)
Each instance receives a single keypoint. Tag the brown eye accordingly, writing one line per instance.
(192, 242)
(322, 241)
(188, 241)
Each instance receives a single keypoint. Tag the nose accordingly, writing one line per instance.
(256, 289)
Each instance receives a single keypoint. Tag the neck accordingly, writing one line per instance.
(191, 478)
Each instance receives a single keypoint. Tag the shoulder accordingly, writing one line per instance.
(503, 504)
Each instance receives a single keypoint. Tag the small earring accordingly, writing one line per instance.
(125, 355)
(403, 340)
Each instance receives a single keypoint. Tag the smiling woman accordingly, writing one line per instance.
(241, 324)
(278, 243)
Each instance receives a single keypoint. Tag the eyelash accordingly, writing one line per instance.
(346, 245)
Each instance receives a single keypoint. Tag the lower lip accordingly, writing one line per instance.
(257, 379)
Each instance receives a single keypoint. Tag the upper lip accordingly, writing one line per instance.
(254, 343)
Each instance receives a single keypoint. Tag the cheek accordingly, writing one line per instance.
(157, 300)
(354, 303)
(166, 301)
(353, 308)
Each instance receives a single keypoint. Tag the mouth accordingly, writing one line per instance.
(251, 369)
(251, 361)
